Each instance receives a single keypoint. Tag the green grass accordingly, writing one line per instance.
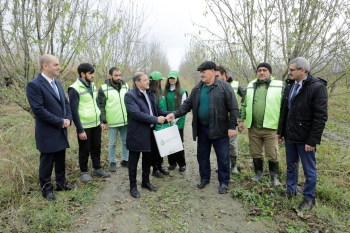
(332, 191)
(22, 208)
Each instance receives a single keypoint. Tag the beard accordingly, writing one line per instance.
(116, 82)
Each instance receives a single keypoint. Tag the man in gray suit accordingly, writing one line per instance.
(52, 117)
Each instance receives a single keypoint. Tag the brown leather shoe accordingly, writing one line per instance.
(307, 205)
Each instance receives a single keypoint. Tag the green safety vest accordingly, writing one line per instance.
(234, 85)
(89, 113)
(116, 114)
(273, 104)
(162, 105)
(171, 104)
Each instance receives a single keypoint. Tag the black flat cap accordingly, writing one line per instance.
(207, 65)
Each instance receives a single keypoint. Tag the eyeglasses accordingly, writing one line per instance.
(291, 70)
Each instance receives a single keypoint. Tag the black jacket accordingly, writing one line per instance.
(222, 101)
(139, 133)
(305, 121)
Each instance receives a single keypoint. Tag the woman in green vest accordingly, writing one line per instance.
(175, 96)
(155, 85)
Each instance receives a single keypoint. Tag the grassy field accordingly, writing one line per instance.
(22, 208)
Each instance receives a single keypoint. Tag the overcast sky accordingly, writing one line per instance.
(171, 20)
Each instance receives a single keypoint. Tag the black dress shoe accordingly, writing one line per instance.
(202, 183)
(222, 189)
(157, 174)
(134, 192)
(182, 169)
(66, 187)
(307, 205)
(163, 171)
(172, 167)
(149, 186)
(49, 196)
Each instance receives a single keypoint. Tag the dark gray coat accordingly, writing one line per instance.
(223, 109)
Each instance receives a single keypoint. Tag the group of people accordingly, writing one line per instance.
(93, 110)
(295, 112)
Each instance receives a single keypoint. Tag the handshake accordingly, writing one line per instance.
(169, 118)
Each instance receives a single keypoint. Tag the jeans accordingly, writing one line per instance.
(294, 151)
(113, 137)
(221, 147)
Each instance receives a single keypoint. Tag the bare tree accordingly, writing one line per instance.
(277, 31)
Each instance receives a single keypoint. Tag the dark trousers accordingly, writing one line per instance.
(47, 162)
(178, 157)
(157, 160)
(221, 147)
(294, 151)
(90, 146)
(134, 157)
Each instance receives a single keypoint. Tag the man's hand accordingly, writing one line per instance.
(170, 117)
(240, 127)
(231, 133)
(161, 119)
(104, 126)
(82, 136)
(279, 138)
(309, 148)
(66, 123)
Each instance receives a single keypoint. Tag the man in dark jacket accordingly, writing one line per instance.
(215, 110)
(52, 118)
(302, 120)
(143, 115)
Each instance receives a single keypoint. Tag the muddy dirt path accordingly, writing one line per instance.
(177, 206)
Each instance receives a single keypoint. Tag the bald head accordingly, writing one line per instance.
(49, 65)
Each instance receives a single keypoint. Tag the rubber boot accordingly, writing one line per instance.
(234, 165)
(258, 168)
(273, 167)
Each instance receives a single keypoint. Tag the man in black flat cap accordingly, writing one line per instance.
(261, 110)
(215, 110)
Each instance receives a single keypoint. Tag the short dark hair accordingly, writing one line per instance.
(111, 70)
(221, 69)
(137, 76)
(85, 68)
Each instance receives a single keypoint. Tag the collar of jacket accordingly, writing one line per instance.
(267, 83)
(309, 79)
(215, 83)
(148, 91)
(83, 82)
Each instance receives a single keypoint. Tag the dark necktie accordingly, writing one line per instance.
(295, 91)
(55, 89)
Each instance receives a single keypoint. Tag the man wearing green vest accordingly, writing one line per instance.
(261, 110)
(114, 115)
(221, 74)
(86, 116)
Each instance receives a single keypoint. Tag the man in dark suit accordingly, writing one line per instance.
(52, 117)
(143, 114)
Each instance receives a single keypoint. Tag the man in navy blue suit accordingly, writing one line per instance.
(52, 117)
